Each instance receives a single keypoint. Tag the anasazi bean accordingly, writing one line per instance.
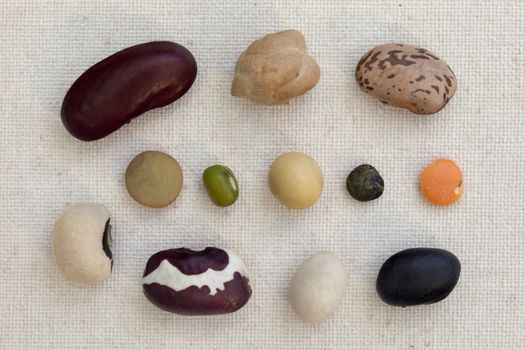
(418, 276)
(187, 282)
(125, 85)
(221, 185)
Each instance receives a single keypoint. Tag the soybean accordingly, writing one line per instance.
(296, 180)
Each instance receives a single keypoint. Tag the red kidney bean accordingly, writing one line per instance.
(187, 282)
(125, 85)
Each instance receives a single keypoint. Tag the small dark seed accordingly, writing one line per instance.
(364, 183)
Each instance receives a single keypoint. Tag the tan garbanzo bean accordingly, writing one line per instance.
(275, 68)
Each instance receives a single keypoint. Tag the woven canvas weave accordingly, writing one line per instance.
(46, 45)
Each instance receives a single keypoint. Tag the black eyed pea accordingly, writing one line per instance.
(81, 243)
(188, 282)
(221, 185)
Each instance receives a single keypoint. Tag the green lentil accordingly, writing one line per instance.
(221, 184)
(154, 179)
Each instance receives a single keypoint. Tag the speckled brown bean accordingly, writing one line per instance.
(406, 76)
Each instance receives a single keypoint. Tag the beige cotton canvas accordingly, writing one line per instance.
(46, 45)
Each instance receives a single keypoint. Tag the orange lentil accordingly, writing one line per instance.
(442, 182)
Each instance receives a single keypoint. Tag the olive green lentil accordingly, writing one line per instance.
(364, 183)
(221, 184)
(154, 179)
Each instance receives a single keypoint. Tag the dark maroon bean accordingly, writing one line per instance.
(418, 276)
(187, 282)
(125, 85)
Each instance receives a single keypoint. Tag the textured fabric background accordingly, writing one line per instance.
(46, 45)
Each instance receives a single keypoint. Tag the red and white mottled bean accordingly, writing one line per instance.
(187, 282)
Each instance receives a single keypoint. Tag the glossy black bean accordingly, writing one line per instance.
(418, 276)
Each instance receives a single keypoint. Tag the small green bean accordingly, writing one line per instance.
(221, 184)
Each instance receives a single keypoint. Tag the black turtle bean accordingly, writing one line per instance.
(418, 276)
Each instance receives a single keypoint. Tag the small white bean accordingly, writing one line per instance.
(318, 287)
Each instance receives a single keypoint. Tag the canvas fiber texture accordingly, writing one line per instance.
(46, 45)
